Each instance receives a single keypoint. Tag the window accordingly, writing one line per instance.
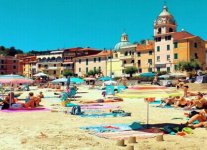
(176, 67)
(99, 59)
(195, 45)
(79, 61)
(150, 61)
(159, 31)
(196, 56)
(39, 65)
(167, 38)
(175, 44)
(94, 59)
(86, 61)
(124, 62)
(168, 57)
(14, 61)
(168, 69)
(126, 53)
(79, 69)
(139, 63)
(158, 48)
(2, 67)
(150, 52)
(54, 72)
(170, 30)
(132, 53)
(158, 39)
(99, 68)
(55, 65)
(158, 69)
(138, 54)
(132, 61)
(168, 47)
(140, 70)
(94, 68)
(176, 56)
(2, 61)
(149, 69)
(158, 58)
(86, 69)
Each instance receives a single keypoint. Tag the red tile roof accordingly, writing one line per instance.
(101, 54)
(145, 47)
(182, 35)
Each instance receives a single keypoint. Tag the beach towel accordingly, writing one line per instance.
(106, 115)
(141, 134)
(99, 106)
(114, 127)
(24, 110)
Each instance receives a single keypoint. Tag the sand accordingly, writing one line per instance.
(56, 130)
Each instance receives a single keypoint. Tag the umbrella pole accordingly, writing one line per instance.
(10, 95)
(147, 115)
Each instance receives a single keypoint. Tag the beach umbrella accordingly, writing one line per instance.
(105, 78)
(73, 80)
(14, 79)
(165, 76)
(110, 82)
(148, 74)
(89, 78)
(41, 74)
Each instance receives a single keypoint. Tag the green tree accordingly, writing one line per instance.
(130, 70)
(192, 65)
(93, 72)
(67, 73)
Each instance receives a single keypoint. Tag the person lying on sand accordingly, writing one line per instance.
(201, 117)
(170, 100)
(181, 102)
(114, 99)
(198, 102)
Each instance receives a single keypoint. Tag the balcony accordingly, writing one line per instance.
(128, 65)
(51, 68)
(46, 62)
(127, 57)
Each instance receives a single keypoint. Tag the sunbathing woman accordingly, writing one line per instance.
(198, 102)
(201, 117)
(31, 101)
(170, 100)
(114, 99)
(6, 101)
(181, 102)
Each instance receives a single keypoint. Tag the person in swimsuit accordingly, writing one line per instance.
(198, 102)
(5, 103)
(201, 117)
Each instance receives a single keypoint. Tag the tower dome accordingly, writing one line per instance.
(165, 17)
(124, 42)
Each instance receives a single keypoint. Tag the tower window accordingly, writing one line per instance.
(159, 31)
(167, 38)
(158, 48)
(170, 30)
(158, 58)
(168, 47)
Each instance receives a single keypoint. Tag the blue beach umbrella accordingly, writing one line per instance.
(105, 78)
(147, 74)
(72, 80)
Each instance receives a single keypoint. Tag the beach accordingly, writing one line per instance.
(46, 130)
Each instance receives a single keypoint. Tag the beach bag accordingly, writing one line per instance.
(76, 110)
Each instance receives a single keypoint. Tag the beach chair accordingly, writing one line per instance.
(72, 93)
(110, 90)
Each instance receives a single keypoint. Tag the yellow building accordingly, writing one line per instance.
(187, 47)
(98, 61)
(145, 57)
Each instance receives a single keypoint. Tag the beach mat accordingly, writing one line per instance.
(99, 106)
(106, 115)
(25, 110)
(141, 134)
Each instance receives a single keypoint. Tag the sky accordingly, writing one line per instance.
(55, 24)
